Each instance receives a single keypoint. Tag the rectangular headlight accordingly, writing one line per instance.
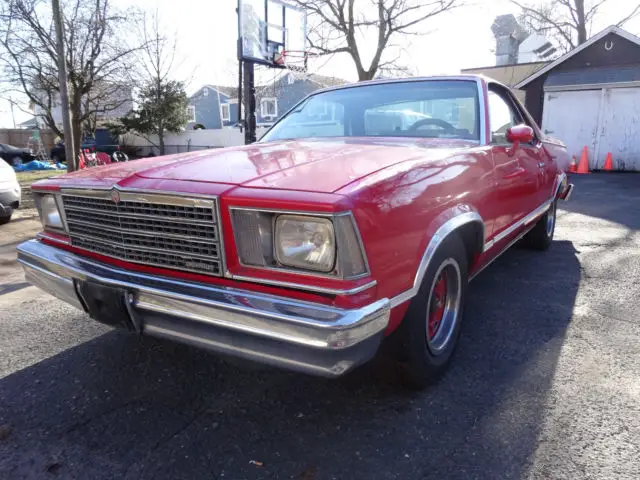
(49, 213)
(305, 242)
(314, 243)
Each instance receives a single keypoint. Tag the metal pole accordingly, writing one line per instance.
(64, 92)
(240, 121)
(249, 103)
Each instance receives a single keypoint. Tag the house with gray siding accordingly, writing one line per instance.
(276, 98)
(216, 107)
(213, 107)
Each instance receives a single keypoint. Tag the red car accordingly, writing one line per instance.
(360, 217)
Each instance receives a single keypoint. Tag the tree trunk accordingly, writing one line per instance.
(72, 164)
(76, 127)
(161, 141)
(366, 75)
(581, 25)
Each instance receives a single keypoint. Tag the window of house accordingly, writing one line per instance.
(205, 91)
(502, 116)
(191, 113)
(269, 107)
(225, 112)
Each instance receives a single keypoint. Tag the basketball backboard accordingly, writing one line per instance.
(267, 27)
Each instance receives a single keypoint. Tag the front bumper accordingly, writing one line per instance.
(9, 200)
(303, 336)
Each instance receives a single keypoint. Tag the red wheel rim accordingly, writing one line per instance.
(437, 304)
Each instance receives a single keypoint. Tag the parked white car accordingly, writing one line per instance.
(10, 192)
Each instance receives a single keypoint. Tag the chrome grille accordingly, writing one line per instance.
(152, 229)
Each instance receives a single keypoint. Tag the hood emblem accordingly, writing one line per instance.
(115, 196)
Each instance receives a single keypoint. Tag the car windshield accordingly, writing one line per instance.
(424, 109)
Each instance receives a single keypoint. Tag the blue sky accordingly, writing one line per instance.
(207, 30)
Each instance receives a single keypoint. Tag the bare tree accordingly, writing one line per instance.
(567, 21)
(163, 101)
(343, 26)
(97, 60)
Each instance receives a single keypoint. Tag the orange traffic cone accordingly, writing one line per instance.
(573, 166)
(608, 163)
(583, 166)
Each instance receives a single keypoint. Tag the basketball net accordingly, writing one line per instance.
(295, 61)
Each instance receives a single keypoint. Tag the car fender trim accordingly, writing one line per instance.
(447, 228)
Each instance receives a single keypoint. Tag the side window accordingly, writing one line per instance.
(502, 116)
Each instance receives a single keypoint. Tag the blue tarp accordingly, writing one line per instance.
(38, 165)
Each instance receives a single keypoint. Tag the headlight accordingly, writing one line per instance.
(321, 244)
(49, 214)
(305, 242)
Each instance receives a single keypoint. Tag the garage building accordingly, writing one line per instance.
(591, 97)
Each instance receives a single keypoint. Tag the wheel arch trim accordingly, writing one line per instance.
(462, 216)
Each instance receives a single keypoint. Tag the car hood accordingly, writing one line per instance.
(309, 165)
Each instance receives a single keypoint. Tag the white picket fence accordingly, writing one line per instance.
(191, 140)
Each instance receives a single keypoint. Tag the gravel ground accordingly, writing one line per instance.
(546, 383)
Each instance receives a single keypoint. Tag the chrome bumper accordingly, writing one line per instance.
(566, 195)
(303, 336)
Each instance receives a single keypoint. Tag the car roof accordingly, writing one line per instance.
(382, 81)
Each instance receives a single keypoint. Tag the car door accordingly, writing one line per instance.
(516, 167)
(537, 156)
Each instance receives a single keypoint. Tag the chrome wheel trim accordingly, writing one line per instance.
(551, 219)
(450, 319)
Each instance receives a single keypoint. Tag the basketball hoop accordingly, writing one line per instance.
(293, 60)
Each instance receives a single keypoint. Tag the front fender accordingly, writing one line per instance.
(440, 228)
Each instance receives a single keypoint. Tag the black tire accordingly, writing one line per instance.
(420, 361)
(118, 156)
(5, 220)
(55, 159)
(16, 161)
(541, 236)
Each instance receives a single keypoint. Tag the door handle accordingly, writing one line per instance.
(541, 164)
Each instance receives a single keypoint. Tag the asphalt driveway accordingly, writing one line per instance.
(546, 383)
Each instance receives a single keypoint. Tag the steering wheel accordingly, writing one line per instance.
(433, 121)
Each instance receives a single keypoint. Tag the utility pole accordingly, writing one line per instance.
(69, 145)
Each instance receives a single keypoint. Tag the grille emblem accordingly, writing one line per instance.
(115, 196)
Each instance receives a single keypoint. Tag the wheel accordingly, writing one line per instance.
(118, 156)
(4, 220)
(16, 161)
(541, 236)
(55, 159)
(429, 332)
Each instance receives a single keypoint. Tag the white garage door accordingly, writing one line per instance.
(573, 118)
(620, 131)
(605, 121)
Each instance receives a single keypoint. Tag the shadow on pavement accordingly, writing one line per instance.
(594, 196)
(119, 406)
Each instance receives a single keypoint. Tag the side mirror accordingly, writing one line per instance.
(520, 134)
